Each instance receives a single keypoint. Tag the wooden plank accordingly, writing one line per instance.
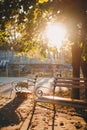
(62, 101)
(69, 86)
(71, 78)
(70, 82)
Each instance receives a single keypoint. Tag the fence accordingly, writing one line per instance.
(43, 69)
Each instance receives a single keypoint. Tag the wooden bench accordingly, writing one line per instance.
(60, 83)
(24, 88)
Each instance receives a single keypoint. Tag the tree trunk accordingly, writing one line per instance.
(76, 56)
(84, 71)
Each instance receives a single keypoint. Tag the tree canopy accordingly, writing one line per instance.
(29, 18)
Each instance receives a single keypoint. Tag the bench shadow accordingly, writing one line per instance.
(8, 114)
(54, 115)
(83, 114)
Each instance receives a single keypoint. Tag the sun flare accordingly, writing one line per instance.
(56, 34)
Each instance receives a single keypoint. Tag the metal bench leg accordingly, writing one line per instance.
(54, 114)
(32, 114)
(10, 94)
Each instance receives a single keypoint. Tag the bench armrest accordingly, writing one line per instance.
(42, 91)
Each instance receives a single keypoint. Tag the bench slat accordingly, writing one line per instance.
(69, 86)
(72, 78)
(70, 82)
(63, 101)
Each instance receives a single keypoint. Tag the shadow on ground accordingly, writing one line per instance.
(83, 114)
(8, 113)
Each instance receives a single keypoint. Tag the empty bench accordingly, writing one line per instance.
(24, 88)
(60, 83)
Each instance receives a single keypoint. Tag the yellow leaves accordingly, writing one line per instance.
(84, 51)
(18, 54)
(84, 58)
(42, 1)
(44, 14)
(35, 14)
(33, 53)
(81, 45)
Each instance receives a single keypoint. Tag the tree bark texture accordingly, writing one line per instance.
(76, 58)
(84, 71)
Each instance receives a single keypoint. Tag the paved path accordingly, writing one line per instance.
(6, 80)
(6, 87)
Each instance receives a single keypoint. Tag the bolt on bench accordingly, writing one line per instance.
(53, 98)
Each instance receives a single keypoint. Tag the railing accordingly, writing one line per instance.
(41, 69)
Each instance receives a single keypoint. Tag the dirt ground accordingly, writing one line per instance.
(15, 113)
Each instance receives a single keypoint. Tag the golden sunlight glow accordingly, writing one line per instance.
(56, 34)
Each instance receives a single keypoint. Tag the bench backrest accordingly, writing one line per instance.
(70, 82)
